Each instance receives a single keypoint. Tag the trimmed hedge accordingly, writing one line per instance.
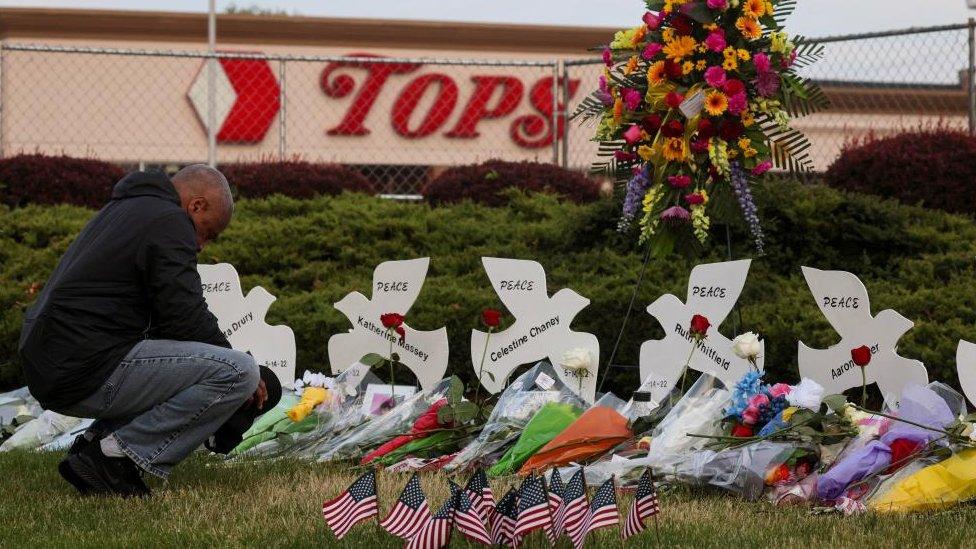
(927, 167)
(294, 178)
(310, 253)
(40, 179)
(488, 182)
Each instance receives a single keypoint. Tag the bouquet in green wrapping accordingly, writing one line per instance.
(548, 422)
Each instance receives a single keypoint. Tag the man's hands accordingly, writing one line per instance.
(260, 396)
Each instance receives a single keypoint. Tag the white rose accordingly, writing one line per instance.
(577, 360)
(746, 346)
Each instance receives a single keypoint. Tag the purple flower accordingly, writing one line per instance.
(767, 83)
(718, 4)
(632, 98)
(607, 57)
(740, 185)
(762, 62)
(651, 51)
(715, 76)
(636, 189)
(675, 215)
(716, 40)
(604, 87)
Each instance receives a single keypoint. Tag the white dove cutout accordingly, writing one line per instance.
(713, 290)
(966, 367)
(396, 285)
(843, 299)
(242, 320)
(541, 328)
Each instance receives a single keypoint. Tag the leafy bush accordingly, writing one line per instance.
(485, 183)
(294, 178)
(929, 167)
(310, 253)
(39, 179)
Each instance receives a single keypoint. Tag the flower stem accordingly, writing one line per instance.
(389, 335)
(694, 345)
(864, 387)
(481, 368)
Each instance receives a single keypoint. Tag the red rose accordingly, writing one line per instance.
(731, 130)
(901, 450)
(674, 99)
(742, 431)
(491, 317)
(651, 123)
(699, 326)
(733, 87)
(673, 69)
(402, 332)
(673, 128)
(861, 356)
(391, 320)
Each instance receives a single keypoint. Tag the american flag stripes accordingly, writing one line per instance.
(603, 512)
(467, 518)
(410, 513)
(533, 507)
(556, 490)
(645, 505)
(356, 504)
(506, 512)
(572, 519)
(436, 533)
(481, 494)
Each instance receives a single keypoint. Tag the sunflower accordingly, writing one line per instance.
(730, 64)
(716, 103)
(680, 48)
(754, 8)
(749, 27)
(687, 67)
(743, 54)
(675, 149)
(656, 74)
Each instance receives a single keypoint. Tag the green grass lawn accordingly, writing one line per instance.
(206, 504)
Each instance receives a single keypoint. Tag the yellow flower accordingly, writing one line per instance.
(769, 7)
(743, 55)
(645, 152)
(670, 5)
(667, 35)
(749, 27)
(680, 48)
(733, 153)
(701, 65)
(747, 119)
(729, 52)
(675, 149)
(750, 152)
(777, 42)
(716, 103)
(788, 413)
(709, 26)
(656, 74)
(730, 64)
(687, 67)
(704, 195)
(754, 8)
(745, 143)
(631, 65)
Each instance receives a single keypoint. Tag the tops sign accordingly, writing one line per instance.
(248, 98)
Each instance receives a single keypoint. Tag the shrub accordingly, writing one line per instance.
(931, 167)
(485, 183)
(40, 179)
(294, 178)
(311, 253)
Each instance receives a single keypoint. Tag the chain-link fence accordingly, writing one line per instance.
(401, 121)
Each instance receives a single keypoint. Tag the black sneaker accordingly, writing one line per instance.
(91, 472)
(81, 442)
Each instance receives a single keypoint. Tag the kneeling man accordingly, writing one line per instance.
(121, 333)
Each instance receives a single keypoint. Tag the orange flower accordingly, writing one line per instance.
(618, 110)
(716, 103)
(640, 34)
(754, 8)
(631, 65)
(676, 149)
(680, 48)
(656, 74)
(749, 27)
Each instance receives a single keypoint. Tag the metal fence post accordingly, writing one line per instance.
(212, 87)
(565, 98)
(971, 78)
(2, 89)
(555, 112)
(282, 111)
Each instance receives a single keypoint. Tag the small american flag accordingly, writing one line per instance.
(572, 519)
(356, 504)
(645, 505)
(481, 494)
(506, 512)
(436, 533)
(467, 519)
(556, 490)
(410, 513)
(603, 512)
(533, 507)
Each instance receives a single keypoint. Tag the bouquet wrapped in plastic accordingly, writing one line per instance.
(516, 406)
(545, 425)
(700, 411)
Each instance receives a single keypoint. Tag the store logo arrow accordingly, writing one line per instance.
(246, 97)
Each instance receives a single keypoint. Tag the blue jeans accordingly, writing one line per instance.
(167, 397)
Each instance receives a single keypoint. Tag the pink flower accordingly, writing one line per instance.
(750, 415)
(633, 134)
(679, 181)
(738, 104)
(607, 57)
(694, 199)
(699, 146)
(651, 50)
(715, 76)
(716, 40)
(780, 389)
(632, 98)
(674, 99)
(718, 4)
(762, 168)
(675, 215)
(624, 156)
(652, 20)
(767, 83)
(787, 63)
(603, 84)
(758, 400)
(762, 62)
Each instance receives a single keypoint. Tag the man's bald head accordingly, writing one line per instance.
(206, 197)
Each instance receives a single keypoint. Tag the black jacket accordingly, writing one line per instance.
(131, 274)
